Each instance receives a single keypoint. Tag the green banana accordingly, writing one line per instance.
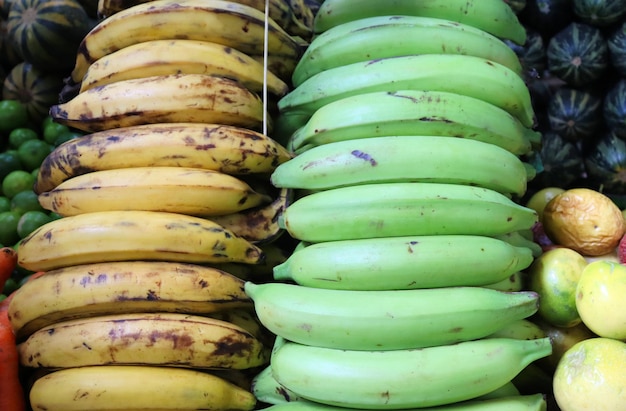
(403, 319)
(518, 239)
(454, 73)
(507, 390)
(404, 159)
(410, 112)
(403, 209)
(396, 263)
(528, 402)
(523, 329)
(388, 36)
(396, 379)
(488, 15)
(514, 282)
(266, 389)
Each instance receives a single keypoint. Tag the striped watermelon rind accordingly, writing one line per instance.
(614, 108)
(578, 54)
(47, 32)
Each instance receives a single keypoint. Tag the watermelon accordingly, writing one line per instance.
(599, 13)
(605, 163)
(614, 109)
(578, 54)
(47, 33)
(575, 114)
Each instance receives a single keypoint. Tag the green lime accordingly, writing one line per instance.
(30, 221)
(32, 153)
(21, 271)
(13, 114)
(25, 201)
(5, 204)
(16, 181)
(8, 227)
(47, 121)
(35, 172)
(67, 136)
(9, 161)
(20, 135)
(10, 285)
(54, 216)
(52, 131)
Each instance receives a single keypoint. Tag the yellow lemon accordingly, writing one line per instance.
(591, 377)
(584, 220)
(601, 299)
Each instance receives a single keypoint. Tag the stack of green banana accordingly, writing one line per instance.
(409, 123)
(138, 300)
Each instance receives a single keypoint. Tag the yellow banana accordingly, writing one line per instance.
(275, 254)
(184, 190)
(132, 235)
(278, 9)
(293, 16)
(247, 319)
(259, 225)
(167, 339)
(163, 57)
(225, 22)
(88, 290)
(128, 388)
(228, 149)
(196, 98)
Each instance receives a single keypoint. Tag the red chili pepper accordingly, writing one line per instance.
(8, 263)
(11, 390)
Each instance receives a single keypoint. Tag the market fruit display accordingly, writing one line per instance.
(236, 193)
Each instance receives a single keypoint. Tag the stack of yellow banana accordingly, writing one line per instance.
(410, 123)
(166, 207)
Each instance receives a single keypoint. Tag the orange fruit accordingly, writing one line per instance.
(584, 220)
(542, 197)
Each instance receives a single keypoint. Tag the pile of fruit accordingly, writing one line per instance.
(304, 205)
(580, 279)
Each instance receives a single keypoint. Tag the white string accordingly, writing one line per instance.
(265, 56)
